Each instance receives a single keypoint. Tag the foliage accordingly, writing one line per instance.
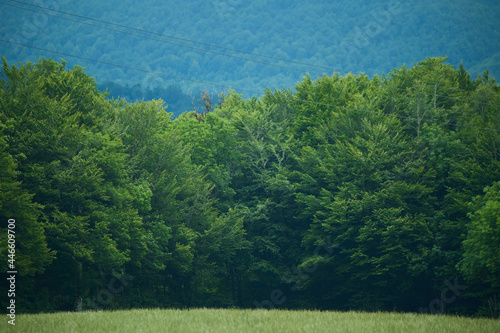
(348, 193)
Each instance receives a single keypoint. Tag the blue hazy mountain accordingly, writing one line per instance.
(372, 37)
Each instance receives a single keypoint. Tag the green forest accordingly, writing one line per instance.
(345, 192)
(183, 39)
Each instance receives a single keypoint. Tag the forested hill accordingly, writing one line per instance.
(348, 192)
(352, 36)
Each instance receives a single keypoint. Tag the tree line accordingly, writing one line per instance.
(347, 192)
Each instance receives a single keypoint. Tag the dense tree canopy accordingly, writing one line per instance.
(348, 193)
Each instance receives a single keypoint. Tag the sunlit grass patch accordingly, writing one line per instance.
(221, 320)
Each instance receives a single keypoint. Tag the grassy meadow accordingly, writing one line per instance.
(219, 320)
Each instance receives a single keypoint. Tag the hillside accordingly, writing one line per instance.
(372, 37)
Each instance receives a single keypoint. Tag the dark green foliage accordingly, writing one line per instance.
(32, 253)
(481, 257)
(350, 193)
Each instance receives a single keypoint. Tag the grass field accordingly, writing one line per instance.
(217, 321)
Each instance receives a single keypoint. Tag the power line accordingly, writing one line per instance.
(184, 39)
(202, 43)
(128, 67)
(228, 87)
(161, 40)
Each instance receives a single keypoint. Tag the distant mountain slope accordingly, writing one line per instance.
(492, 63)
(360, 36)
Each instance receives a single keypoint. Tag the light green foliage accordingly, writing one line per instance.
(213, 147)
(175, 202)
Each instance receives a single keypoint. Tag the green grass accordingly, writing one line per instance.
(217, 321)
